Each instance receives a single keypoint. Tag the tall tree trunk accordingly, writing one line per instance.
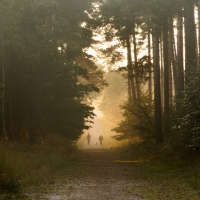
(157, 96)
(172, 57)
(31, 129)
(166, 77)
(199, 28)
(130, 69)
(170, 82)
(18, 131)
(190, 36)
(198, 48)
(129, 88)
(180, 72)
(3, 94)
(161, 74)
(149, 65)
(11, 120)
(136, 65)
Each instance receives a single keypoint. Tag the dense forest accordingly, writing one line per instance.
(161, 39)
(49, 78)
(46, 78)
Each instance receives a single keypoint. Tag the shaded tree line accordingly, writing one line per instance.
(45, 77)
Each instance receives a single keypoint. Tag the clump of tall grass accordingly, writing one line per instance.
(10, 169)
(23, 166)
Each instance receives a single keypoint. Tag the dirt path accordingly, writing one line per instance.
(100, 176)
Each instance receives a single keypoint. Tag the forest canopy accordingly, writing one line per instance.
(48, 78)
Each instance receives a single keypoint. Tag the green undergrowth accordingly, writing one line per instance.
(163, 182)
(24, 166)
(163, 176)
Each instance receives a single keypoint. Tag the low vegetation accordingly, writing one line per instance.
(163, 176)
(23, 166)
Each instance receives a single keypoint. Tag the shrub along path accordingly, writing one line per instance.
(99, 174)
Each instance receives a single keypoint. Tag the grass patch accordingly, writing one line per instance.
(23, 166)
(165, 191)
(163, 176)
(162, 183)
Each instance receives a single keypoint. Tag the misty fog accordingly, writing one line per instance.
(102, 125)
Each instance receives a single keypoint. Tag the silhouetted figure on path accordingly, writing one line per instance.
(88, 138)
(100, 139)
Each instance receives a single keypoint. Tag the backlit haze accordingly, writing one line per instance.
(102, 126)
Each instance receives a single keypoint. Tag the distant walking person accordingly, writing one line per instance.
(100, 139)
(88, 138)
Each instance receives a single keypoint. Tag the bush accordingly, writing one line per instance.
(138, 120)
(185, 136)
(9, 183)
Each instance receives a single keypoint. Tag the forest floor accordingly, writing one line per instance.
(100, 174)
